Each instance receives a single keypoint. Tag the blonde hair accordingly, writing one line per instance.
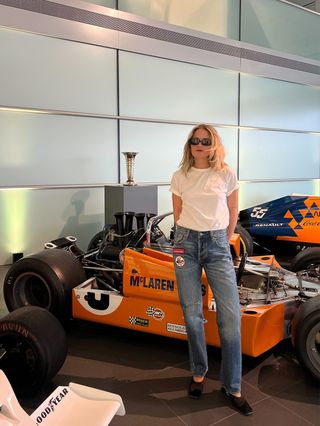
(216, 161)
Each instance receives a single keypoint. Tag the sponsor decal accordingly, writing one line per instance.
(310, 223)
(178, 250)
(258, 212)
(262, 225)
(304, 217)
(176, 328)
(139, 321)
(9, 326)
(213, 306)
(155, 313)
(150, 282)
(179, 261)
(52, 403)
(98, 302)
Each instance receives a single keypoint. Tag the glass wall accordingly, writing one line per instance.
(265, 102)
(279, 139)
(253, 193)
(160, 148)
(55, 99)
(262, 21)
(219, 17)
(46, 149)
(278, 155)
(50, 73)
(68, 109)
(106, 3)
(281, 26)
(170, 90)
(29, 218)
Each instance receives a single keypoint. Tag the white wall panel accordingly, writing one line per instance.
(169, 90)
(29, 218)
(278, 155)
(278, 104)
(43, 149)
(48, 73)
(252, 193)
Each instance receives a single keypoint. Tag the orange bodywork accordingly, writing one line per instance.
(307, 227)
(149, 302)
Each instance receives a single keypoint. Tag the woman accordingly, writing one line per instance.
(205, 205)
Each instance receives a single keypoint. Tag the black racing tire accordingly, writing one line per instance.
(33, 346)
(305, 258)
(44, 279)
(96, 241)
(246, 243)
(305, 336)
(98, 238)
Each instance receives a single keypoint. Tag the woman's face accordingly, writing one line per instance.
(200, 151)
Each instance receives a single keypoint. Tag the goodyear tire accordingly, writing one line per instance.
(246, 243)
(307, 259)
(44, 279)
(306, 336)
(33, 346)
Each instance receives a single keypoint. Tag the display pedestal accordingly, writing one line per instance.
(122, 198)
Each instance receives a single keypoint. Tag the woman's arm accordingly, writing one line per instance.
(177, 206)
(232, 201)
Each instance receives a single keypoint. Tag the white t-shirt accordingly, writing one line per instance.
(204, 195)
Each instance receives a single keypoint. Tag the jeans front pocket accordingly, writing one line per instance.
(180, 235)
(220, 237)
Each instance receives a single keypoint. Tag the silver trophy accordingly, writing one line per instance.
(130, 156)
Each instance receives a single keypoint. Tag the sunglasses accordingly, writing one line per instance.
(197, 141)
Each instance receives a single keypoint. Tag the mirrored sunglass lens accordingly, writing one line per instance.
(197, 141)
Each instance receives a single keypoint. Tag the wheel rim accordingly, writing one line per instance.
(243, 246)
(20, 361)
(313, 346)
(32, 289)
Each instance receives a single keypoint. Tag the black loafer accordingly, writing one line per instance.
(239, 403)
(195, 389)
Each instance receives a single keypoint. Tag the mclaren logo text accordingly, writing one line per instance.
(149, 282)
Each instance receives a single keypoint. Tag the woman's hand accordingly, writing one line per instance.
(177, 207)
(233, 206)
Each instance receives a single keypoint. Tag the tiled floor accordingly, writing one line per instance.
(151, 374)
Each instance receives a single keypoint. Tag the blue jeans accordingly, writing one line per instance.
(194, 251)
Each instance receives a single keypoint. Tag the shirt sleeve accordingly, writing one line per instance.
(233, 183)
(174, 187)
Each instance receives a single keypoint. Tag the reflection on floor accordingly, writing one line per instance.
(151, 374)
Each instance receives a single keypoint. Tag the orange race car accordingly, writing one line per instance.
(136, 288)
